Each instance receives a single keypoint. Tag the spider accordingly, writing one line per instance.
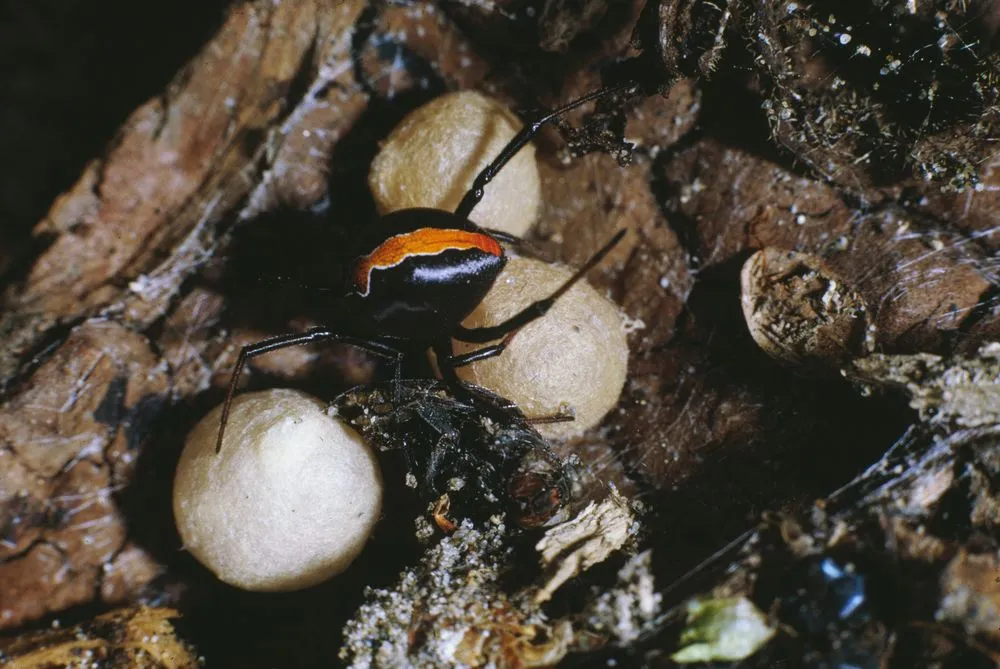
(417, 273)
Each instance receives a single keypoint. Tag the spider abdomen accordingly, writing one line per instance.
(423, 280)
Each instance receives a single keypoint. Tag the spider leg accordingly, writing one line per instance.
(445, 353)
(506, 237)
(448, 361)
(509, 327)
(297, 339)
(518, 142)
(565, 415)
(483, 353)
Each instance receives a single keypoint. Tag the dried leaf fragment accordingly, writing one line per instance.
(586, 540)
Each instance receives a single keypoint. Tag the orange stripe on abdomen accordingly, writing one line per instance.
(422, 242)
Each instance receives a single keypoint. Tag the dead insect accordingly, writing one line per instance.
(463, 459)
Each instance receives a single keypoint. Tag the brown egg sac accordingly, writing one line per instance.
(574, 357)
(432, 157)
(289, 501)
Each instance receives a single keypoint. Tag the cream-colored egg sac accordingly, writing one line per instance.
(432, 157)
(289, 501)
(575, 356)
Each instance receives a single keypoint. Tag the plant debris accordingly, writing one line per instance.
(585, 540)
(960, 392)
(453, 609)
(132, 638)
(630, 609)
(722, 629)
